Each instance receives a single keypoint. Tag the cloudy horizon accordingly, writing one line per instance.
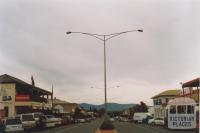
(33, 41)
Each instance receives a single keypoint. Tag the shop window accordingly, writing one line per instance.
(160, 102)
(167, 100)
(190, 109)
(181, 109)
(155, 102)
(173, 109)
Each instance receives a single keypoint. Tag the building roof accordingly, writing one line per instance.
(58, 101)
(193, 95)
(5, 78)
(167, 93)
(181, 101)
(192, 83)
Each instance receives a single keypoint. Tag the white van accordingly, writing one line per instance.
(28, 121)
(141, 117)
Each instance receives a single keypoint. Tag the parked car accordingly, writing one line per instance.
(123, 119)
(89, 119)
(66, 120)
(57, 121)
(141, 117)
(112, 119)
(12, 125)
(37, 116)
(28, 121)
(157, 121)
(46, 122)
(81, 120)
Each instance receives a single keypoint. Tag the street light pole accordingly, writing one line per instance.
(105, 79)
(105, 38)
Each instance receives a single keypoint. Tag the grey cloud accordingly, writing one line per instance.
(33, 39)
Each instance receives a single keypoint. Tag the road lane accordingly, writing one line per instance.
(83, 128)
(77, 128)
(121, 127)
(125, 127)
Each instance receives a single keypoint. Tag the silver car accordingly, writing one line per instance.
(13, 125)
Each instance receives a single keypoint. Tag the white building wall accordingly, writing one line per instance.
(8, 90)
(159, 109)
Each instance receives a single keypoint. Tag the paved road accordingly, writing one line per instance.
(77, 128)
(122, 127)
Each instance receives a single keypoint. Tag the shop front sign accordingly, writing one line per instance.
(181, 121)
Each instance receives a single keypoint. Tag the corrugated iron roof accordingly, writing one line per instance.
(5, 78)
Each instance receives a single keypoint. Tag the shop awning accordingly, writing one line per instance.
(182, 101)
(192, 83)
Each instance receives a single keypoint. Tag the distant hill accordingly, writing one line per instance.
(110, 106)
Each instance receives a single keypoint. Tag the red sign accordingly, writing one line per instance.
(22, 98)
(164, 104)
(2, 114)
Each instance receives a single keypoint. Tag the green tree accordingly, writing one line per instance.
(77, 112)
(142, 107)
(94, 110)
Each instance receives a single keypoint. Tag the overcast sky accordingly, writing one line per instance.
(33, 42)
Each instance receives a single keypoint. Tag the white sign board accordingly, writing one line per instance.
(181, 121)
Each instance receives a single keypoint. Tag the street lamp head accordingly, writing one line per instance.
(69, 32)
(140, 30)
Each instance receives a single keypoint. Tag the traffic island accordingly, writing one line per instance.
(106, 127)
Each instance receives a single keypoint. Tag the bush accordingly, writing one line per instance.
(107, 125)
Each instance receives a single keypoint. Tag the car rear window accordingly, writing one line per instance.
(50, 116)
(27, 118)
(37, 115)
(13, 121)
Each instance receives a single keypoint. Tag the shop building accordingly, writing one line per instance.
(17, 97)
(181, 113)
(161, 100)
(191, 89)
(61, 106)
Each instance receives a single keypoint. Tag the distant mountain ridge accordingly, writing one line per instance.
(110, 106)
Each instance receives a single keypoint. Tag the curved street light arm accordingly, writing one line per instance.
(119, 33)
(69, 32)
(98, 36)
(113, 36)
(89, 34)
(139, 30)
